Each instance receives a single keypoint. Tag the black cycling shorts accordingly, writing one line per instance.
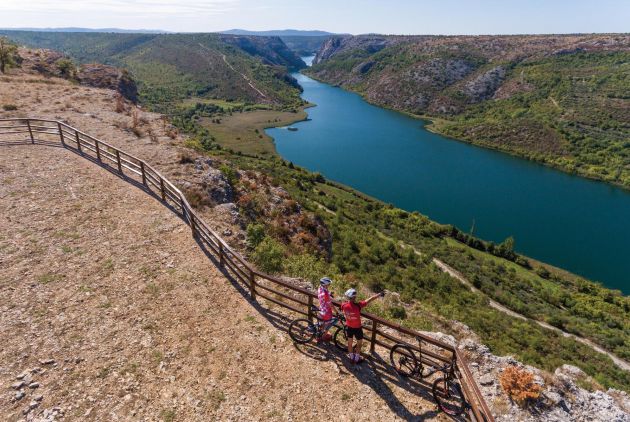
(355, 332)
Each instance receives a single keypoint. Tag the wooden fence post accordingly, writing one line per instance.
(30, 131)
(162, 189)
(63, 142)
(373, 338)
(118, 161)
(181, 204)
(144, 176)
(310, 308)
(252, 284)
(192, 224)
(98, 150)
(221, 255)
(76, 135)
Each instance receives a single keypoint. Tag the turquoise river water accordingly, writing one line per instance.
(570, 222)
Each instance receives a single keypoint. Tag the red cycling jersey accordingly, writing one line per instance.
(352, 312)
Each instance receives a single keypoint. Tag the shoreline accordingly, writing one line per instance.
(430, 125)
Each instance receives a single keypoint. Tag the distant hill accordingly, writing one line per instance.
(172, 67)
(280, 33)
(75, 29)
(303, 43)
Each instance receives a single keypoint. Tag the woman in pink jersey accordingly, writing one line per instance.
(352, 311)
(325, 307)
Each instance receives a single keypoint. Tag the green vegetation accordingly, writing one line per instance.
(574, 116)
(173, 67)
(8, 54)
(380, 247)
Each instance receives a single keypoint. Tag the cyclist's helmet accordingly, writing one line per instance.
(351, 293)
(325, 281)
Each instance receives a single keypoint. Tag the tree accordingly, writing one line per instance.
(8, 54)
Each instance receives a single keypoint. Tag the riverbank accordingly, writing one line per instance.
(244, 132)
(437, 125)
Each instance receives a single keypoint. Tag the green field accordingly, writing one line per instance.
(245, 132)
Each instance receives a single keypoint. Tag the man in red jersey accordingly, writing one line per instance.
(352, 311)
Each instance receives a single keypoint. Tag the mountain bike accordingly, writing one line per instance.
(446, 390)
(303, 331)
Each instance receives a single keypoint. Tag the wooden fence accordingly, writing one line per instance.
(380, 332)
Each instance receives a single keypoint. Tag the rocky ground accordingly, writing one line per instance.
(110, 311)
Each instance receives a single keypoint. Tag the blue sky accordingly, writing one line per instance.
(353, 16)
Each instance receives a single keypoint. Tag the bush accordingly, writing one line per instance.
(268, 255)
(255, 234)
(9, 107)
(66, 67)
(397, 312)
(519, 385)
(230, 174)
(543, 272)
(309, 267)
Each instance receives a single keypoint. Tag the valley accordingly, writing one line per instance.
(364, 195)
(560, 100)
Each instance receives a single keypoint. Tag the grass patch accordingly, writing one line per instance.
(215, 398)
(245, 132)
(168, 415)
(49, 278)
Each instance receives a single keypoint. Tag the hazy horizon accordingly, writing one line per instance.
(404, 17)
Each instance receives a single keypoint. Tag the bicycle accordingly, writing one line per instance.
(446, 390)
(303, 331)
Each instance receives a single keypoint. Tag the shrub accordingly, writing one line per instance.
(309, 267)
(9, 107)
(519, 385)
(186, 158)
(66, 67)
(543, 272)
(268, 255)
(255, 234)
(196, 198)
(398, 312)
(230, 174)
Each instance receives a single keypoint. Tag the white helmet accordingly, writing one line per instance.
(325, 281)
(351, 293)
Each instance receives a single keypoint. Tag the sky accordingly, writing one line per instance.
(342, 16)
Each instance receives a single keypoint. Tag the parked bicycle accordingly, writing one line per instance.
(446, 390)
(303, 331)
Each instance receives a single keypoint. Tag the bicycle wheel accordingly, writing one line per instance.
(341, 339)
(404, 360)
(448, 396)
(302, 331)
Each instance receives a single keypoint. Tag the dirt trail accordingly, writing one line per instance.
(139, 324)
(621, 363)
(625, 365)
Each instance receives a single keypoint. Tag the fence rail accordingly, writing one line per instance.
(381, 332)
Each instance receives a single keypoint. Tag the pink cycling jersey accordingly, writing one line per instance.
(325, 303)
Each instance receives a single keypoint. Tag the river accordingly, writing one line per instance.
(574, 223)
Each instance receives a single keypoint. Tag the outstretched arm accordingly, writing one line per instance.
(374, 297)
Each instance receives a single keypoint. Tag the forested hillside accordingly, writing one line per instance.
(171, 67)
(561, 100)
